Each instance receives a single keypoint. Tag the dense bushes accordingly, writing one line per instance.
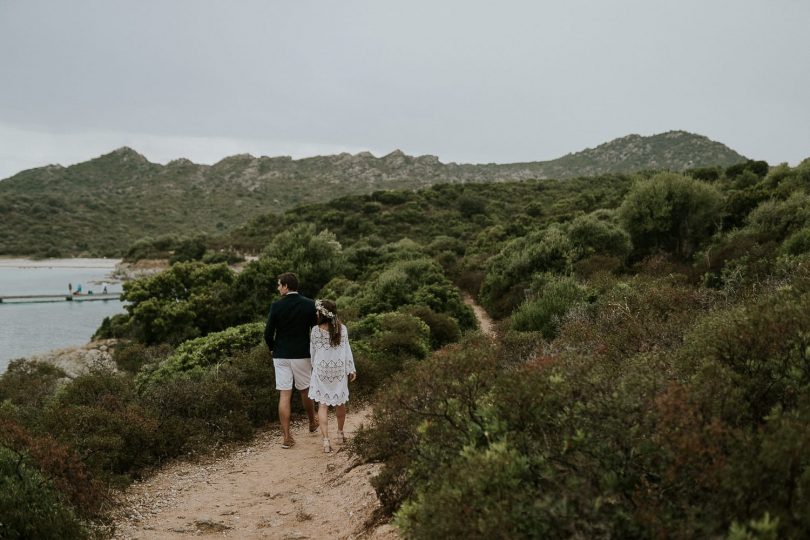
(183, 302)
(29, 506)
(418, 281)
(664, 396)
(555, 296)
(509, 272)
(659, 410)
(200, 354)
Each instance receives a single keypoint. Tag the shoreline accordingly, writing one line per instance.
(17, 262)
(79, 357)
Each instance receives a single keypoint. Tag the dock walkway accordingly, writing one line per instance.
(36, 298)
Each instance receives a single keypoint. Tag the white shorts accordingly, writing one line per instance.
(289, 369)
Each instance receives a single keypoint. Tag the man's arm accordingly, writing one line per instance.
(270, 329)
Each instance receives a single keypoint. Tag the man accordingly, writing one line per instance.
(289, 323)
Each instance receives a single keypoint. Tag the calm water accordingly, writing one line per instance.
(28, 329)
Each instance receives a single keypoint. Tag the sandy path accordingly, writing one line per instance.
(484, 320)
(262, 490)
(259, 491)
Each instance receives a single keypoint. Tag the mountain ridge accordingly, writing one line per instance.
(100, 206)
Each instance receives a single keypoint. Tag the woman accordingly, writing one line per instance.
(332, 368)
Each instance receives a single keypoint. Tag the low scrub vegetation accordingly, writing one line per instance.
(650, 377)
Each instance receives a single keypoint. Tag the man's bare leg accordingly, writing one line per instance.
(310, 408)
(284, 398)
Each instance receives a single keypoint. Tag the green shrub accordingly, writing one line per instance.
(396, 335)
(29, 383)
(253, 373)
(758, 354)
(544, 313)
(99, 416)
(509, 273)
(187, 300)
(798, 243)
(739, 204)
(315, 257)
(151, 248)
(196, 412)
(202, 354)
(635, 316)
(29, 506)
(596, 234)
(132, 356)
(222, 256)
(419, 422)
(443, 328)
(59, 463)
(670, 212)
(776, 219)
(115, 327)
(188, 249)
(411, 282)
(484, 494)
(470, 205)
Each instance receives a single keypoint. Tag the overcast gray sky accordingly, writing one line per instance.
(469, 81)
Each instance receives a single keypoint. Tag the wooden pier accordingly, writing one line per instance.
(37, 298)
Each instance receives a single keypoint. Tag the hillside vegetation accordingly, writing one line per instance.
(100, 207)
(650, 376)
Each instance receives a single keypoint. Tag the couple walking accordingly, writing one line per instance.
(310, 349)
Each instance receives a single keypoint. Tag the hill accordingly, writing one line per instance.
(99, 207)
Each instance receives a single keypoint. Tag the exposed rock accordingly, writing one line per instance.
(78, 360)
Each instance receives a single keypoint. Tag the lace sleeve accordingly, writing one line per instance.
(347, 351)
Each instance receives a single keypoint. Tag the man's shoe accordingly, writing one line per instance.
(288, 443)
(313, 427)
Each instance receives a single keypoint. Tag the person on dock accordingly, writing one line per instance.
(70, 288)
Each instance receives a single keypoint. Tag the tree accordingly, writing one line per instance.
(187, 300)
(670, 212)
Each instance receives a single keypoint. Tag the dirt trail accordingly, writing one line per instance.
(262, 490)
(259, 491)
(484, 320)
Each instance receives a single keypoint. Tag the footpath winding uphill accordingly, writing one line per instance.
(263, 491)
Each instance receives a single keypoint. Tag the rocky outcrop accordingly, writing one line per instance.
(77, 360)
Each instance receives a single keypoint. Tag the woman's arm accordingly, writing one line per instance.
(350, 369)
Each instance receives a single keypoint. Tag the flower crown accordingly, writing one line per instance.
(319, 307)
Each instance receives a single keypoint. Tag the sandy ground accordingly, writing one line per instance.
(484, 320)
(259, 491)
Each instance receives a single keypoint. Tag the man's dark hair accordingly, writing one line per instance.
(289, 279)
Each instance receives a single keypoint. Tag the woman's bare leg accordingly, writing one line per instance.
(340, 412)
(323, 412)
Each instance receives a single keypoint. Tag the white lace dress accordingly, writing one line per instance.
(330, 366)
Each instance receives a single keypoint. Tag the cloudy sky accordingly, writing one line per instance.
(469, 81)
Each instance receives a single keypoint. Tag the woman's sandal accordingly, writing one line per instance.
(327, 448)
